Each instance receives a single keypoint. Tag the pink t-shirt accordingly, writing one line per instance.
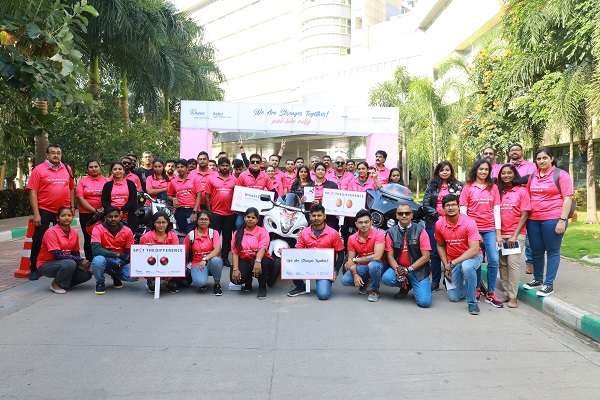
(404, 259)
(365, 248)
(546, 200)
(135, 179)
(119, 194)
(202, 246)
(438, 208)
(525, 168)
(202, 179)
(184, 190)
(56, 239)
(252, 242)
(356, 186)
(277, 185)
(456, 236)
(152, 182)
(514, 202)
(287, 181)
(328, 239)
(382, 174)
(496, 170)
(91, 190)
(343, 182)
(261, 182)
(53, 187)
(221, 193)
(480, 204)
(151, 238)
(117, 244)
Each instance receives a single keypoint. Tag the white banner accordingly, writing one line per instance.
(244, 198)
(343, 202)
(164, 261)
(307, 264)
(288, 118)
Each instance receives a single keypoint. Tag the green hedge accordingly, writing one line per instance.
(14, 203)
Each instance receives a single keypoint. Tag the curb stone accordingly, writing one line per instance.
(17, 233)
(565, 313)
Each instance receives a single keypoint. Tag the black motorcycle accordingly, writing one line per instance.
(383, 204)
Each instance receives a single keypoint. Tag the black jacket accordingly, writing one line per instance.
(413, 244)
(129, 207)
(430, 199)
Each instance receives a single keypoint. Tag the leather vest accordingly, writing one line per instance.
(413, 244)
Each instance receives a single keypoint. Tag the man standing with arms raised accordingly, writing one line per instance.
(319, 236)
(219, 196)
(51, 186)
(457, 240)
(253, 178)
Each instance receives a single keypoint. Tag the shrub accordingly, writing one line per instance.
(14, 203)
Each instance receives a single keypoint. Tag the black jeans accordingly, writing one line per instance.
(84, 218)
(38, 234)
(246, 267)
(182, 214)
(225, 225)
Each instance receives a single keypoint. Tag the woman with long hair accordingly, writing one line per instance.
(551, 192)
(302, 179)
(277, 184)
(514, 210)
(158, 182)
(480, 200)
(121, 193)
(160, 232)
(205, 251)
(395, 177)
(364, 181)
(89, 197)
(319, 184)
(59, 255)
(250, 255)
(443, 182)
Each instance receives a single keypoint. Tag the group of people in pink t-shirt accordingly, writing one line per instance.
(514, 205)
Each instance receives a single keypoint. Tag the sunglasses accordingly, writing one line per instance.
(340, 162)
(255, 162)
(403, 213)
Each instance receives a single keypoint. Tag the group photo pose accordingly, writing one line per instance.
(500, 212)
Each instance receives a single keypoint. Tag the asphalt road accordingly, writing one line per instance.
(194, 345)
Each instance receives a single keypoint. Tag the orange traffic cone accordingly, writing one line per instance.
(23, 271)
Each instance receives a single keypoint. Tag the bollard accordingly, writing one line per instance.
(23, 271)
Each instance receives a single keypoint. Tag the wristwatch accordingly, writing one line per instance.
(411, 269)
(204, 259)
(258, 261)
(451, 265)
(563, 219)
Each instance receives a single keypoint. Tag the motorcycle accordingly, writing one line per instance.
(383, 204)
(284, 221)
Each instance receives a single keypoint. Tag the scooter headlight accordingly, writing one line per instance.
(287, 220)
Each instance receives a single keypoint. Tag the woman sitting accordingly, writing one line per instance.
(59, 256)
(204, 245)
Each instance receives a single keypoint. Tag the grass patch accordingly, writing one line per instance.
(581, 240)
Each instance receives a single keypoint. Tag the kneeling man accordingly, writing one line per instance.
(408, 249)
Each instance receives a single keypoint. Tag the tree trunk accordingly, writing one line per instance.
(2, 176)
(124, 97)
(95, 78)
(590, 178)
(571, 155)
(435, 155)
(41, 139)
(405, 172)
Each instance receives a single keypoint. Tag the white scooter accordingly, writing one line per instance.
(284, 221)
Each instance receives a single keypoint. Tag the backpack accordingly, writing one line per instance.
(555, 178)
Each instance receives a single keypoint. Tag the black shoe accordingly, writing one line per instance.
(546, 290)
(434, 286)
(100, 289)
(533, 284)
(217, 291)
(473, 309)
(401, 294)
(117, 284)
(296, 291)
(248, 287)
(262, 294)
(150, 285)
(172, 288)
(34, 275)
(227, 264)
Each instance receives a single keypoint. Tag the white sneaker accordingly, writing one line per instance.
(59, 291)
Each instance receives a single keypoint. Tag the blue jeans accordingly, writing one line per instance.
(528, 256)
(181, 217)
(464, 276)
(493, 257)
(371, 271)
(421, 289)
(436, 263)
(544, 239)
(111, 266)
(200, 278)
(323, 287)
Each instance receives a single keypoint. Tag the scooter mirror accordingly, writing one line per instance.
(265, 197)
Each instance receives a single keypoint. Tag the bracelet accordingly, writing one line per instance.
(236, 269)
(563, 219)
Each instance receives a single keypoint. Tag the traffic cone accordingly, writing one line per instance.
(23, 271)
